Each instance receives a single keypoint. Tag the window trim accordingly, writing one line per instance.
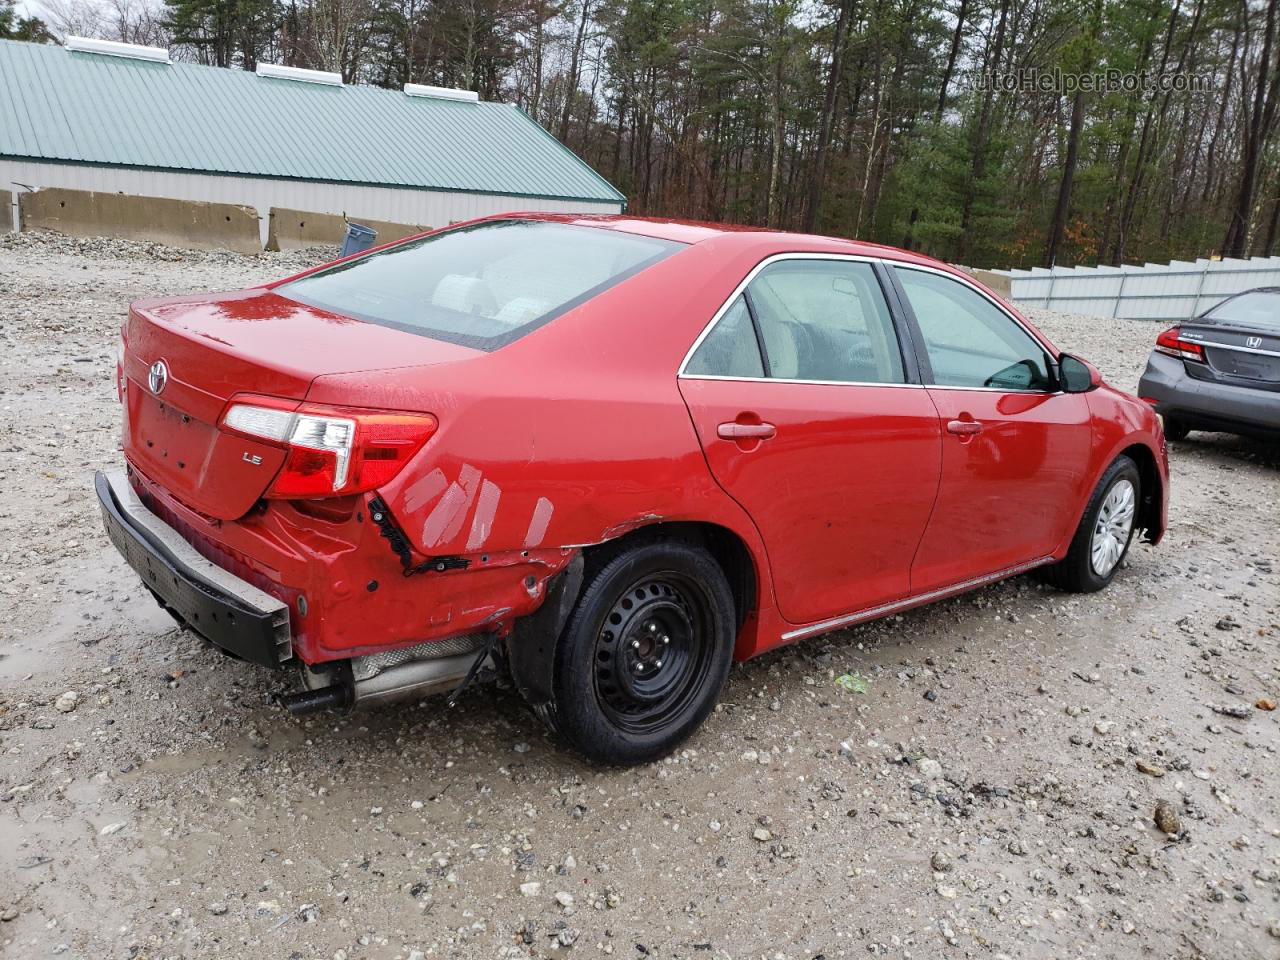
(926, 367)
(905, 337)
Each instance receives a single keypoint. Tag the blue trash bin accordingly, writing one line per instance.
(358, 239)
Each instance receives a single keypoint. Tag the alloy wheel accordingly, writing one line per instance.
(1112, 527)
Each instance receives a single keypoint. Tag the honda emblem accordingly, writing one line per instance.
(1253, 342)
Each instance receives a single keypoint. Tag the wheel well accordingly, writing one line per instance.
(1149, 517)
(725, 546)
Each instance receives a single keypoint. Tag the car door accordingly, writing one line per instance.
(812, 417)
(1014, 448)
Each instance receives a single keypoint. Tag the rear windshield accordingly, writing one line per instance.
(1257, 308)
(482, 286)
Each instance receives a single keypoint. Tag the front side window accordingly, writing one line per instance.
(970, 342)
(825, 320)
(481, 286)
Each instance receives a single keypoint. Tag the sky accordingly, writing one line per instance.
(31, 8)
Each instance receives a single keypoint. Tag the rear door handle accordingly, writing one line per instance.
(964, 427)
(745, 431)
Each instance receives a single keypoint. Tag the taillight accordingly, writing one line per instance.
(332, 451)
(1170, 342)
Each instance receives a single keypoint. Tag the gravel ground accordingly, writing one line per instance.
(992, 792)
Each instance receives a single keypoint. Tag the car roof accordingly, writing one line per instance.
(698, 231)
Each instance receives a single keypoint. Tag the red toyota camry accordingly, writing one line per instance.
(607, 455)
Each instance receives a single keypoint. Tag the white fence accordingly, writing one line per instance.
(1153, 291)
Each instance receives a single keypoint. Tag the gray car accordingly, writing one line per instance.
(1220, 371)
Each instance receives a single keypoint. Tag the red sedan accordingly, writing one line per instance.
(607, 455)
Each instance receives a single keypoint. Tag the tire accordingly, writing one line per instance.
(1175, 429)
(644, 654)
(1078, 572)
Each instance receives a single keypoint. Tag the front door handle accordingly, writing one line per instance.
(745, 431)
(964, 428)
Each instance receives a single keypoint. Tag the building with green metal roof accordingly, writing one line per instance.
(117, 118)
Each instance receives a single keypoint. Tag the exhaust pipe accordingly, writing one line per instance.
(381, 677)
(313, 701)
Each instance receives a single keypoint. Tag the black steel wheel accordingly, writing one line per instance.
(644, 654)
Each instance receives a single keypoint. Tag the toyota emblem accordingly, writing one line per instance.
(158, 376)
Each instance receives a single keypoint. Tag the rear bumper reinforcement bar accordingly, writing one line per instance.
(216, 604)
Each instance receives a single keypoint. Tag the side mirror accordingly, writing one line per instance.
(1076, 375)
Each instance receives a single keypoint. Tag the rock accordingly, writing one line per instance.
(564, 899)
(940, 862)
(218, 909)
(1265, 704)
(1150, 769)
(7, 914)
(1236, 710)
(929, 768)
(947, 893)
(67, 702)
(1104, 727)
(1274, 929)
(417, 955)
(761, 834)
(567, 937)
(1017, 848)
(111, 828)
(530, 889)
(41, 723)
(930, 696)
(521, 747)
(1166, 818)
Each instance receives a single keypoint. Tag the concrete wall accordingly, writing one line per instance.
(438, 208)
(179, 223)
(293, 229)
(6, 211)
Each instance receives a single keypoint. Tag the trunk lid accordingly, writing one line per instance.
(1238, 355)
(217, 346)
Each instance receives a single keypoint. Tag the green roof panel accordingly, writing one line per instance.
(58, 105)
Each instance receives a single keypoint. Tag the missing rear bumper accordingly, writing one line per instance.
(227, 611)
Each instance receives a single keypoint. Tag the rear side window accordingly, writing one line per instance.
(730, 349)
(482, 286)
(825, 320)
